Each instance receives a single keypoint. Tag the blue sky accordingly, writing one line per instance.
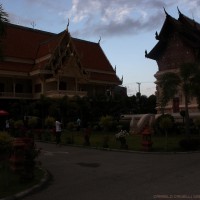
(126, 27)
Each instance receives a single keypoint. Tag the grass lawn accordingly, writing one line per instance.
(160, 143)
(10, 182)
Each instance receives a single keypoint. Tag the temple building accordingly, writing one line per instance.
(178, 43)
(36, 63)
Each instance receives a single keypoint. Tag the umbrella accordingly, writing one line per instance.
(3, 113)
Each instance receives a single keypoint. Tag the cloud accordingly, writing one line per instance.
(102, 17)
(17, 19)
(43, 13)
(122, 17)
(193, 7)
(116, 17)
(47, 5)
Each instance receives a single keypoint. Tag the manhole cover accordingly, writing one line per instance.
(84, 164)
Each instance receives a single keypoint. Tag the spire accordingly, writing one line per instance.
(145, 53)
(67, 25)
(165, 12)
(156, 35)
(179, 12)
(99, 40)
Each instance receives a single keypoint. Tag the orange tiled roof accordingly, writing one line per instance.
(92, 56)
(47, 47)
(21, 42)
(17, 67)
(103, 77)
(31, 44)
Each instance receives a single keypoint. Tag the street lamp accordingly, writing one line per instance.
(138, 96)
(138, 86)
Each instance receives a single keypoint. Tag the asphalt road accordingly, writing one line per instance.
(89, 174)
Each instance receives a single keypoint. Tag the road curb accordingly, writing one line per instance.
(132, 151)
(125, 150)
(24, 193)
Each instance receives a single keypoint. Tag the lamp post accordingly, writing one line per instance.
(138, 86)
(138, 96)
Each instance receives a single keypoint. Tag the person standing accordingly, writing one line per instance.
(7, 125)
(58, 132)
(78, 124)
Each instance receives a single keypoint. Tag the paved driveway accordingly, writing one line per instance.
(89, 174)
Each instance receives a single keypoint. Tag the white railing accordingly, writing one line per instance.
(16, 95)
(62, 93)
(50, 93)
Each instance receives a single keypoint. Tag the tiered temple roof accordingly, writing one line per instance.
(188, 30)
(26, 50)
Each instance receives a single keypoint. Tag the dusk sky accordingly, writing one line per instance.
(126, 27)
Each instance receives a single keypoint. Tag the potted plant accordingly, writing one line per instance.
(5, 145)
(32, 123)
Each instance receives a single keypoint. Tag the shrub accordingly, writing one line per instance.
(179, 127)
(5, 142)
(71, 126)
(189, 144)
(18, 124)
(166, 123)
(162, 121)
(106, 122)
(46, 136)
(124, 125)
(96, 127)
(49, 122)
(32, 122)
(18, 129)
(197, 123)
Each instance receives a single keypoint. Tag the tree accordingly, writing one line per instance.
(187, 79)
(195, 87)
(3, 19)
(168, 83)
(166, 124)
(151, 104)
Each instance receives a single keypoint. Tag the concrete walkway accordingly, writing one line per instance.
(89, 174)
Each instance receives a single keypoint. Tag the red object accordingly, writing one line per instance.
(3, 113)
(146, 139)
(17, 156)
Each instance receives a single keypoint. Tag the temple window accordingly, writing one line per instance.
(62, 85)
(18, 88)
(2, 87)
(38, 88)
(176, 105)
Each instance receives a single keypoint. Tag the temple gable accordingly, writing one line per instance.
(174, 54)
